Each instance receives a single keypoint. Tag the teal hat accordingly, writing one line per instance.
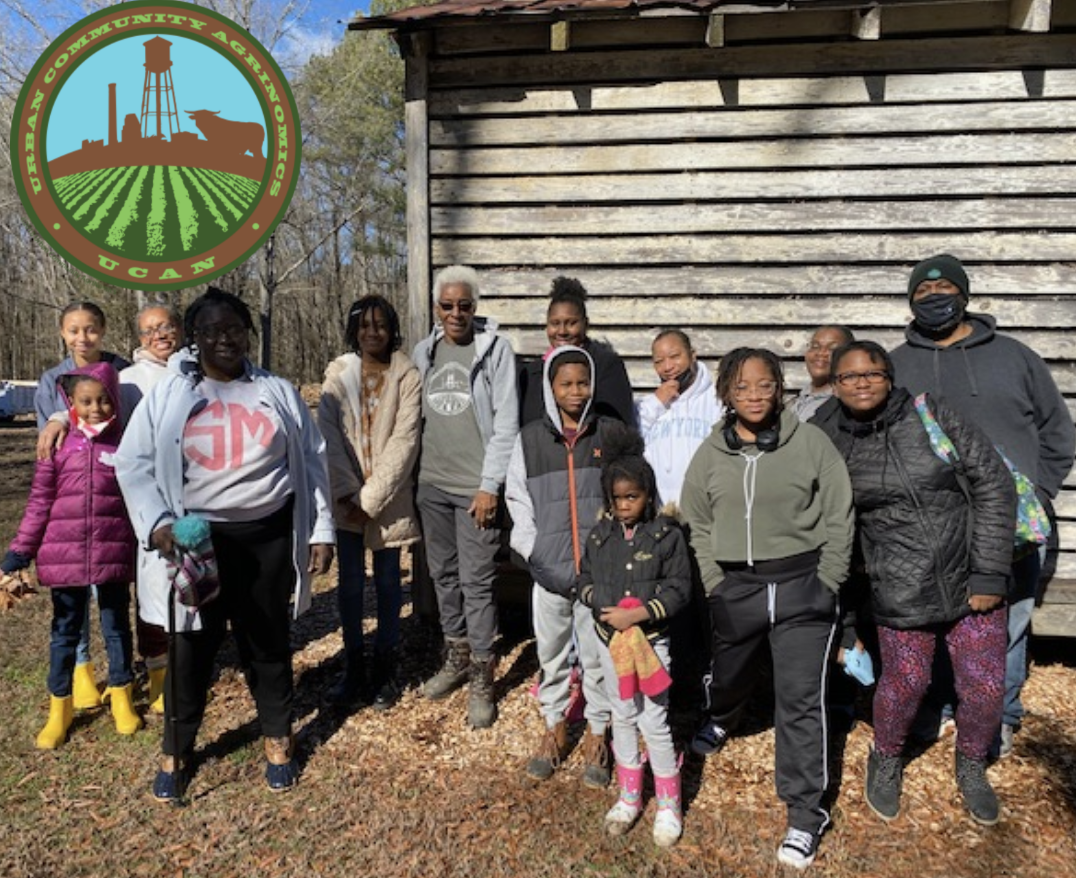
(938, 267)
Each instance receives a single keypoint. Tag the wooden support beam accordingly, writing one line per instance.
(867, 23)
(1032, 16)
(715, 30)
(559, 36)
(417, 153)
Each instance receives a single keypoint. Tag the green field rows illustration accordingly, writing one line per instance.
(156, 213)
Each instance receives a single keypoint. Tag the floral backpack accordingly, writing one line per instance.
(1032, 523)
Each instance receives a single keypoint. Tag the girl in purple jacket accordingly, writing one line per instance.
(76, 527)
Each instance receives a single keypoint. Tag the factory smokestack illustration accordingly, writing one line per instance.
(112, 114)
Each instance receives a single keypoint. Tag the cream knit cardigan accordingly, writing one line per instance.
(387, 496)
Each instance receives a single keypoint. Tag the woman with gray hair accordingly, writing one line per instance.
(470, 416)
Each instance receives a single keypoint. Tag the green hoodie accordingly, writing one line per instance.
(800, 500)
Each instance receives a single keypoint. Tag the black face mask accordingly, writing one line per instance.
(686, 378)
(939, 314)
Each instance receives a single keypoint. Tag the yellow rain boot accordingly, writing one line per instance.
(84, 691)
(156, 689)
(61, 715)
(127, 721)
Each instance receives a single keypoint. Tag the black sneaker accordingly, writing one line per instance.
(798, 848)
(709, 739)
(885, 777)
(979, 796)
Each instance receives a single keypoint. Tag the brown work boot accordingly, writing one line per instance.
(481, 704)
(552, 749)
(595, 761)
(454, 671)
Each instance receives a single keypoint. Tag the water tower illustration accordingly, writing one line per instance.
(158, 90)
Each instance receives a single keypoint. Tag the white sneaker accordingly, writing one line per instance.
(798, 848)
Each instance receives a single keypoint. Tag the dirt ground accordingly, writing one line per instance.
(413, 792)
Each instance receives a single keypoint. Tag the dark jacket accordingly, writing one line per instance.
(553, 491)
(1003, 387)
(925, 548)
(612, 387)
(653, 566)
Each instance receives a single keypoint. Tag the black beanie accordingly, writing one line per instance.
(936, 268)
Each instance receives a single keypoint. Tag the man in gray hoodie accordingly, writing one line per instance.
(1007, 390)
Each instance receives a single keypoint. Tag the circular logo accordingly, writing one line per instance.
(155, 145)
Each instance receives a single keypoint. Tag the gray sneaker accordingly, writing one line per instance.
(885, 775)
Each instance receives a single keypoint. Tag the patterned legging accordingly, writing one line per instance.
(976, 647)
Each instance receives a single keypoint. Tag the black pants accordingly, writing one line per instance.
(257, 576)
(785, 603)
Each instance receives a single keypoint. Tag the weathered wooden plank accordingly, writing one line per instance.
(738, 185)
(629, 127)
(748, 249)
(1054, 620)
(643, 378)
(882, 56)
(1030, 15)
(1065, 503)
(889, 88)
(832, 279)
(417, 155)
(1061, 591)
(713, 337)
(797, 152)
(861, 312)
(668, 28)
(952, 215)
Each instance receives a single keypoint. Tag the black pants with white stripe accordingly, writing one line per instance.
(785, 603)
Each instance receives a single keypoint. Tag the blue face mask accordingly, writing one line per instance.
(939, 313)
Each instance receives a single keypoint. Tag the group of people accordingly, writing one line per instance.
(873, 521)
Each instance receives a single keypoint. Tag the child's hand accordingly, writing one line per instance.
(622, 618)
(50, 439)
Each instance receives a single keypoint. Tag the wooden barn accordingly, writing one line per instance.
(749, 170)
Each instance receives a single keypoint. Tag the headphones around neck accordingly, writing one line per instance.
(765, 440)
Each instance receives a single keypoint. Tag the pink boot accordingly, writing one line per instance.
(667, 825)
(625, 812)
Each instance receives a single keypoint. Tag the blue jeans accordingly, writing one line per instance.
(82, 651)
(352, 561)
(1025, 576)
(68, 615)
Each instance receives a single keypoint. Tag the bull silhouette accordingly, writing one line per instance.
(231, 137)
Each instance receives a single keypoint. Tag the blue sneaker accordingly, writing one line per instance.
(281, 770)
(709, 739)
(170, 784)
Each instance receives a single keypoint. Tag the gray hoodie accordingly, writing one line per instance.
(1003, 387)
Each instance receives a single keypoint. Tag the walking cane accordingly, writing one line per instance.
(170, 675)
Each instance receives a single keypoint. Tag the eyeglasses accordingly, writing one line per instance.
(815, 348)
(851, 379)
(162, 329)
(464, 306)
(762, 390)
(217, 332)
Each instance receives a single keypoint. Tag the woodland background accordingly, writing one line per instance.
(343, 235)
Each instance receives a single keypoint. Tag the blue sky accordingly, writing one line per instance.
(202, 78)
